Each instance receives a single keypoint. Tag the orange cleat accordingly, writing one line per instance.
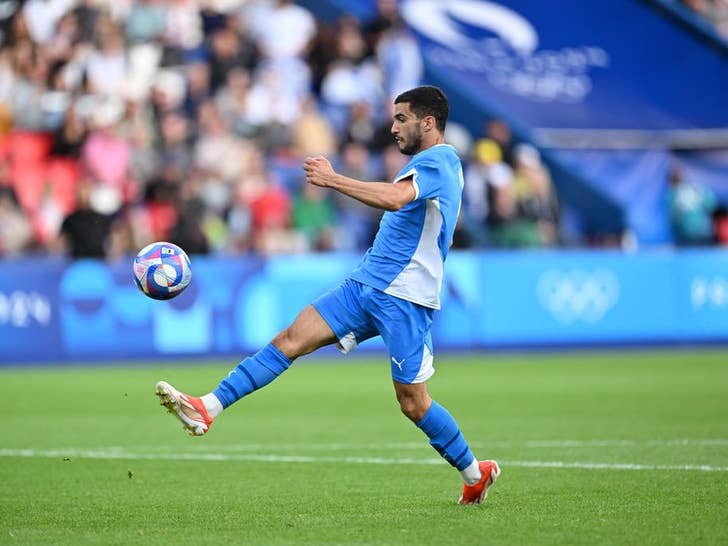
(188, 409)
(475, 494)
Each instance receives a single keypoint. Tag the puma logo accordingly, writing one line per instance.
(398, 363)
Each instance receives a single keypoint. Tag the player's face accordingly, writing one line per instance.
(407, 129)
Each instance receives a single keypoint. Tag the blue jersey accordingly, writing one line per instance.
(408, 255)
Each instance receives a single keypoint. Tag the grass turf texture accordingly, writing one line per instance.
(321, 456)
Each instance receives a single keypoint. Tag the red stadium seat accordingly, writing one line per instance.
(29, 180)
(64, 175)
(5, 146)
(29, 147)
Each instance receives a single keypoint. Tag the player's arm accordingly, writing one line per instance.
(381, 195)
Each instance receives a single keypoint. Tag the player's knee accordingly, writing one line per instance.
(413, 406)
(287, 343)
(409, 408)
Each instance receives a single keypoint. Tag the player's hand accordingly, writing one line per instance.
(319, 171)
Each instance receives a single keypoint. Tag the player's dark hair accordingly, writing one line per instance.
(427, 100)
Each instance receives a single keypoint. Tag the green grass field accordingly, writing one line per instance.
(610, 448)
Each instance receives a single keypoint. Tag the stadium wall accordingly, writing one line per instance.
(59, 311)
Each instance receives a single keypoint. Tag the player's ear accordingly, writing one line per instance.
(429, 123)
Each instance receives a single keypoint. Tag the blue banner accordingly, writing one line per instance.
(635, 180)
(638, 182)
(554, 68)
(70, 311)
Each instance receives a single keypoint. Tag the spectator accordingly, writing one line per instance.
(106, 68)
(275, 100)
(106, 154)
(238, 229)
(486, 155)
(146, 21)
(270, 210)
(714, 11)
(85, 232)
(88, 13)
(284, 31)
(357, 222)
(26, 85)
(183, 30)
(399, 58)
(48, 216)
(66, 36)
(187, 231)
(485, 176)
(387, 16)
(16, 233)
(212, 15)
(506, 230)
(367, 128)
(537, 205)
(392, 161)
(198, 84)
(353, 77)
(311, 133)
(314, 216)
(68, 139)
(41, 17)
(690, 208)
(498, 131)
(140, 131)
(231, 101)
(168, 91)
(219, 152)
(322, 53)
(230, 49)
(720, 225)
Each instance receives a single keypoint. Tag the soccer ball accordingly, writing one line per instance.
(162, 270)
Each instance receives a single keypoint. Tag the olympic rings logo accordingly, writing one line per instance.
(578, 295)
(709, 292)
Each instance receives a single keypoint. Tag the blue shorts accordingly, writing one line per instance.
(357, 312)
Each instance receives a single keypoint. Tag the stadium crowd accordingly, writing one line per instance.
(715, 12)
(126, 122)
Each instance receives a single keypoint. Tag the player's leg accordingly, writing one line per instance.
(333, 317)
(447, 439)
(405, 328)
(439, 426)
(307, 333)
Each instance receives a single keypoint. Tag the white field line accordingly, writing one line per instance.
(121, 454)
(535, 444)
(710, 442)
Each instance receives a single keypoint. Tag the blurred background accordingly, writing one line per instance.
(594, 137)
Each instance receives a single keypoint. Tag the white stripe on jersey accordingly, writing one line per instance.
(412, 173)
(426, 266)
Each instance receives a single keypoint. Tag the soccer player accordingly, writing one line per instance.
(392, 293)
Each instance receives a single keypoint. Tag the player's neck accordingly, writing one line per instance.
(430, 140)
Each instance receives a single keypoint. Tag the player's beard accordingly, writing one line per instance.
(414, 143)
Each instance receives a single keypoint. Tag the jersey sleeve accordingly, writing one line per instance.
(426, 178)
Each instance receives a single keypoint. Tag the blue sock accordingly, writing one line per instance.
(445, 436)
(252, 374)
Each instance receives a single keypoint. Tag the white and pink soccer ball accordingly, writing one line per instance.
(162, 270)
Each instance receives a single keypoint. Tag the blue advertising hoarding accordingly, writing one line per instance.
(52, 310)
